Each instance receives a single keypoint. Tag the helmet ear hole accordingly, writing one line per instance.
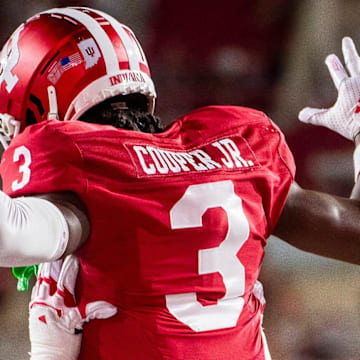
(37, 102)
(30, 117)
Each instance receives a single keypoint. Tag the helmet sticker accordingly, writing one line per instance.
(90, 52)
(59, 67)
(71, 61)
(54, 73)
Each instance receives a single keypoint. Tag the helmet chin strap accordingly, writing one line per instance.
(53, 105)
(9, 128)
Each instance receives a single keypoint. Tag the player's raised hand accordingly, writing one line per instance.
(344, 116)
(55, 321)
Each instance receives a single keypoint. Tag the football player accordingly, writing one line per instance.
(169, 225)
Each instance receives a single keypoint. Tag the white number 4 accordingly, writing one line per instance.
(24, 169)
(187, 213)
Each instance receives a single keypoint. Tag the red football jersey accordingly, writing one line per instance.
(179, 222)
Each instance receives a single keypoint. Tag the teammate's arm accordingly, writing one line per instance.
(322, 224)
(38, 229)
(355, 194)
(55, 320)
(344, 116)
(75, 214)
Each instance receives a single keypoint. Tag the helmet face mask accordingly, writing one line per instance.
(61, 62)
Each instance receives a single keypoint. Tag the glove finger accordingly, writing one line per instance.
(351, 56)
(34, 292)
(99, 310)
(313, 116)
(43, 284)
(44, 270)
(43, 291)
(336, 69)
(41, 270)
(55, 269)
(39, 279)
(68, 274)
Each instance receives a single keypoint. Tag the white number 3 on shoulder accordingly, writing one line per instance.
(20, 153)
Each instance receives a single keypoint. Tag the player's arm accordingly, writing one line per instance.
(344, 116)
(321, 224)
(38, 229)
(355, 194)
(75, 214)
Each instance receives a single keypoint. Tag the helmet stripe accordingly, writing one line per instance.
(100, 36)
(132, 50)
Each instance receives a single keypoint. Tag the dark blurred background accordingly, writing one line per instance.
(257, 53)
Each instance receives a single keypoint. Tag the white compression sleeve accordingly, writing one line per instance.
(32, 231)
(356, 158)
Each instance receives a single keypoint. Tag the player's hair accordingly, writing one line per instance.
(126, 112)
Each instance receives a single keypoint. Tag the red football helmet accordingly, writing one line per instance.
(63, 61)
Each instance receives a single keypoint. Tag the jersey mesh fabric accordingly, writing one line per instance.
(136, 256)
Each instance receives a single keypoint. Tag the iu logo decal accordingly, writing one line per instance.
(90, 52)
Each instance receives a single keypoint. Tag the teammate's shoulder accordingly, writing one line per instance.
(228, 113)
(221, 119)
(226, 109)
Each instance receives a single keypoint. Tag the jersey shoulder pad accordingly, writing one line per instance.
(41, 159)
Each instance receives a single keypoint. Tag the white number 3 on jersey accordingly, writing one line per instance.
(24, 169)
(187, 213)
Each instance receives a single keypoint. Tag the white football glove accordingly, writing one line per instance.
(55, 321)
(344, 116)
